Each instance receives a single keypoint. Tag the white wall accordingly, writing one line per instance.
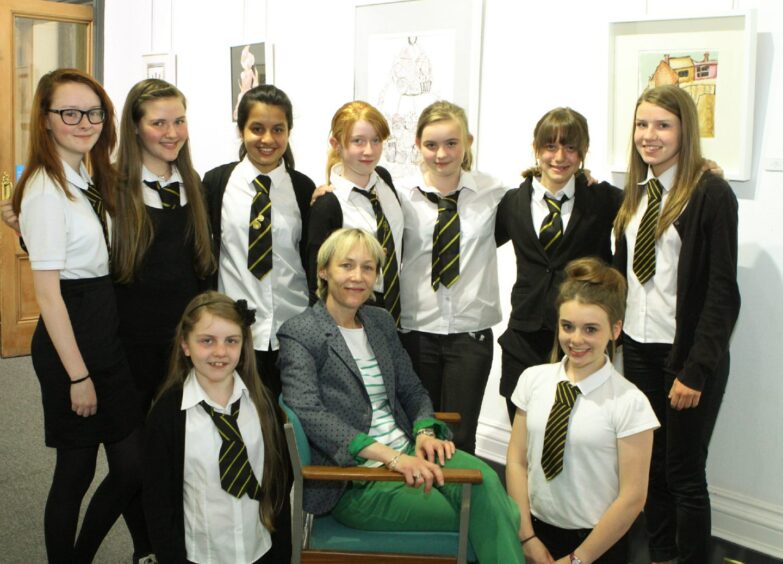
(526, 70)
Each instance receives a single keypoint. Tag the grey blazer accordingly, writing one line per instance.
(323, 385)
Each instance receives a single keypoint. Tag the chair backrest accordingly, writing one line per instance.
(302, 445)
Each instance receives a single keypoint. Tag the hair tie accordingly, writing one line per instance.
(248, 315)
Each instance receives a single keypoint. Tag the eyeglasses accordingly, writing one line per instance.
(72, 116)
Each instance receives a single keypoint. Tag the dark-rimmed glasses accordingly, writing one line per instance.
(72, 116)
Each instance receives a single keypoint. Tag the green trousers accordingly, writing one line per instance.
(385, 506)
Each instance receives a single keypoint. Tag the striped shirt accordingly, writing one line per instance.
(383, 428)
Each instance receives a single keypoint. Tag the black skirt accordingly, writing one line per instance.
(93, 313)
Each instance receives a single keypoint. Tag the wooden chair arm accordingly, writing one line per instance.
(450, 417)
(344, 474)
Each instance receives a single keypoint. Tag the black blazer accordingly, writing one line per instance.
(327, 216)
(588, 233)
(164, 468)
(708, 298)
(215, 182)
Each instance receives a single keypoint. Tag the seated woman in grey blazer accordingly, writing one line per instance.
(351, 383)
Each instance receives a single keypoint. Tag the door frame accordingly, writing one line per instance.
(16, 324)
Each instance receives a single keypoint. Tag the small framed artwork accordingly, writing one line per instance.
(162, 66)
(711, 57)
(412, 53)
(251, 64)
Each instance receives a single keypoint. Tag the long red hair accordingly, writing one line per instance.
(42, 152)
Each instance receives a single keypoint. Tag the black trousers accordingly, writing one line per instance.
(677, 511)
(521, 350)
(562, 542)
(454, 369)
(266, 363)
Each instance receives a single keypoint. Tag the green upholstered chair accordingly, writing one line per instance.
(324, 539)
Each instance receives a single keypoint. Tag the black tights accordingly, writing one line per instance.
(118, 493)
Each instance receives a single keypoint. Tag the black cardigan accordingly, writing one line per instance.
(708, 298)
(215, 182)
(539, 275)
(164, 467)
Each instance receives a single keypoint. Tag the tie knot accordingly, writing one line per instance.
(215, 415)
(566, 393)
(554, 204)
(369, 194)
(654, 190)
(262, 183)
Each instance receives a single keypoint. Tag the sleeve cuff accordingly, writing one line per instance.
(440, 428)
(359, 443)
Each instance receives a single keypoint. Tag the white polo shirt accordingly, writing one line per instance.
(608, 408)
(282, 293)
(651, 308)
(218, 526)
(357, 209)
(60, 233)
(473, 302)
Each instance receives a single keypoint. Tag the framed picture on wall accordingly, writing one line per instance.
(411, 53)
(162, 66)
(251, 64)
(711, 57)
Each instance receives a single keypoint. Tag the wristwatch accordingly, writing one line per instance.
(575, 559)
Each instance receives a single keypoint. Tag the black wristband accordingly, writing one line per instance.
(530, 538)
(79, 380)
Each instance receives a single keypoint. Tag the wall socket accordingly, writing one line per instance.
(773, 164)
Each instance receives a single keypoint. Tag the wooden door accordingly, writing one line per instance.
(35, 37)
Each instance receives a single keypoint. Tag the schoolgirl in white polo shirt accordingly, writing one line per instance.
(580, 448)
(86, 386)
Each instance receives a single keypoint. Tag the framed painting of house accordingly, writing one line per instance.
(410, 54)
(712, 57)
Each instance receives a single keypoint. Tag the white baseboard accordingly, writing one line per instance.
(737, 518)
(746, 521)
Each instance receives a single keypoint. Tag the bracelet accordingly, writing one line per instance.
(79, 380)
(392, 464)
(429, 431)
(530, 538)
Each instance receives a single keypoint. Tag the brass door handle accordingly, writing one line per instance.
(6, 187)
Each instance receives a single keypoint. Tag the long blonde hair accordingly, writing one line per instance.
(342, 126)
(276, 465)
(132, 231)
(689, 160)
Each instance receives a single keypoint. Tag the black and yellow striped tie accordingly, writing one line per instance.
(391, 269)
(236, 474)
(169, 194)
(96, 201)
(557, 428)
(445, 240)
(551, 232)
(644, 248)
(259, 235)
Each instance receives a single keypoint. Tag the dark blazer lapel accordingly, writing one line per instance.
(526, 217)
(577, 212)
(334, 338)
(382, 355)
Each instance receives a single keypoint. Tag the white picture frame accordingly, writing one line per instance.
(411, 53)
(161, 65)
(725, 42)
